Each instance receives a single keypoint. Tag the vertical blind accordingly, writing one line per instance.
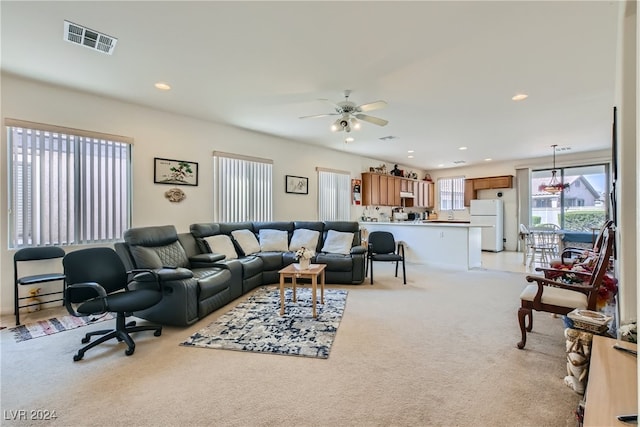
(334, 195)
(451, 193)
(243, 188)
(65, 186)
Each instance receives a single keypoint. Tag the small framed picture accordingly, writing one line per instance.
(296, 184)
(175, 172)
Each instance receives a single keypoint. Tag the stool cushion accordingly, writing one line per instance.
(556, 296)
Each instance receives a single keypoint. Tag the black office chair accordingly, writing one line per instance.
(382, 247)
(98, 283)
(39, 253)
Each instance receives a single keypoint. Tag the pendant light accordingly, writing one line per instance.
(554, 186)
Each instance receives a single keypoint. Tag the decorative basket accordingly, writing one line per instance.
(590, 321)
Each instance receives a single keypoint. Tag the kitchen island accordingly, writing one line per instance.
(440, 244)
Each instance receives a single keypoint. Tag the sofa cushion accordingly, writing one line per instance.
(335, 262)
(221, 244)
(273, 240)
(171, 255)
(271, 260)
(304, 238)
(338, 242)
(247, 241)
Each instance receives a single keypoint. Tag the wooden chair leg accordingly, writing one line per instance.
(523, 313)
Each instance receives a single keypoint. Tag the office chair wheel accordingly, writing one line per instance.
(157, 333)
(129, 351)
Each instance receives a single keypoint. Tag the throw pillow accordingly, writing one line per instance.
(304, 238)
(273, 240)
(221, 244)
(338, 242)
(247, 241)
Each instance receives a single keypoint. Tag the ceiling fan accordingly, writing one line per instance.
(351, 114)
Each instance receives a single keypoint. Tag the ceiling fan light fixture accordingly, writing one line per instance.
(355, 123)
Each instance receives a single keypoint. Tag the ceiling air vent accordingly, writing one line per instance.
(86, 37)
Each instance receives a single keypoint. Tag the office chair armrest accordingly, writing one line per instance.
(102, 294)
(400, 248)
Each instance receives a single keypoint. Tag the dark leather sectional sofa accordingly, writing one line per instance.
(196, 282)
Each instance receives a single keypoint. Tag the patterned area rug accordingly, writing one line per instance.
(54, 325)
(256, 324)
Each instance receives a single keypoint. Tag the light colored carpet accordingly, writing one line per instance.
(440, 351)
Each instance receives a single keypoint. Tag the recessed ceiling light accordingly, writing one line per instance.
(488, 159)
(162, 86)
(462, 148)
(410, 156)
(440, 165)
(519, 97)
(410, 151)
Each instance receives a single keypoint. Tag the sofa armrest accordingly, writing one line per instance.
(162, 274)
(206, 260)
(358, 250)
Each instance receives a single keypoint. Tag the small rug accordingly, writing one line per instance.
(54, 325)
(256, 325)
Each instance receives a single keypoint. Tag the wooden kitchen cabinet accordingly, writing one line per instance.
(381, 190)
(370, 189)
(472, 185)
(394, 185)
(423, 196)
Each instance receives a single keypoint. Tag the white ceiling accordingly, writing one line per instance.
(447, 69)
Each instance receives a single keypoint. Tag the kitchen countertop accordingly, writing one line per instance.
(422, 223)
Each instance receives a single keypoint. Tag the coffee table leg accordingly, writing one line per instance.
(281, 294)
(294, 283)
(314, 287)
(322, 287)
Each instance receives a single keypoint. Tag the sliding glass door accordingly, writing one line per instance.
(581, 208)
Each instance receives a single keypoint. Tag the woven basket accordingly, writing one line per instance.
(590, 321)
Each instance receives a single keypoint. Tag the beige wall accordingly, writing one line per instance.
(161, 134)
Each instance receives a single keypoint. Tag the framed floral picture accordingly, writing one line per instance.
(175, 172)
(296, 184)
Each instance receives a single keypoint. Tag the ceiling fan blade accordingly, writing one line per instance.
(371, 106)
(319, 115)
(375, 120)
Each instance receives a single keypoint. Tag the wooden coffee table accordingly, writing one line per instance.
(294, 272)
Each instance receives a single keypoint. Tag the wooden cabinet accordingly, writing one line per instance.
(471, 186)
(381, 190)
(384, 190)
(370, 189)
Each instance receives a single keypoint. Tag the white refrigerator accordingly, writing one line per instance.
(489, 215)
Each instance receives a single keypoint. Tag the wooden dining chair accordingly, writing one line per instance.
(560, 297)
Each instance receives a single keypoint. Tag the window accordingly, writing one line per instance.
(243, 188)
(66, 186)
(580, 208)
(334, 198)
(451, 193)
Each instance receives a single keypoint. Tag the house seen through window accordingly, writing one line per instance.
(582, 207)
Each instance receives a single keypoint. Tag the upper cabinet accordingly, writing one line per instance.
(384, 190)
(471, 186)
